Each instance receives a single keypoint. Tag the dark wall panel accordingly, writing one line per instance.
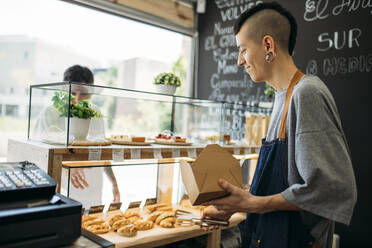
(335, 43)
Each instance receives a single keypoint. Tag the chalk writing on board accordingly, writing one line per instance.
(220, 77)
(320, 9)
(312, 67)
(332, 66)
(339, 39)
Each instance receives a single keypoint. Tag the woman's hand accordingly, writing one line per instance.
(77, 177)
(116, 193)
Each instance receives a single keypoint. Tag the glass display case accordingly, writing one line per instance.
(148, 188)
(58, 116)
(92, 183)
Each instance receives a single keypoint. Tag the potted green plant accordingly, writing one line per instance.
(80, 114)
(269, 91)
(167, 83)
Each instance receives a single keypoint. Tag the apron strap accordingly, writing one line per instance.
(296, 77)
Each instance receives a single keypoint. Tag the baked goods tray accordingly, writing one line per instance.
(130, 143)
(160, 236)
(160, 142)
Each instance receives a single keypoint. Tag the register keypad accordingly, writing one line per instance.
(11, 179)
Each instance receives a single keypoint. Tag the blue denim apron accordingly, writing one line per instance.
(278, 229)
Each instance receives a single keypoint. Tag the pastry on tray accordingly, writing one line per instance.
(96, 221)
(87, 217)
(163, 216)
(120, 138)
(130, 213)
(115, 218)
(98, 228)
(127, 230)
(138, 139)
(154, 207)
(143, 225)
(168, 222)
(164, 138)
(134, 219)
(179, 139)
(120, 223)
(153, 216)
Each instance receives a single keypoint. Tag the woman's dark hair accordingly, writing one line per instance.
(79, 74)
(270, 6)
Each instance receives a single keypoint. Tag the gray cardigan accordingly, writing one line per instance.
(320, 172)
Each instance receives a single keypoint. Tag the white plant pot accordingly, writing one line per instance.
(79, 128)
(165, 89)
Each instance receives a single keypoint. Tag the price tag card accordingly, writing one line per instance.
(151, 201)
(96, 209)
(236, 150)
(114, 206)
(118, 154)
(94, 153)
(176, 153)
(247, 150)
(135, 204)
(157, 153)
(135, 153)
(192, 153)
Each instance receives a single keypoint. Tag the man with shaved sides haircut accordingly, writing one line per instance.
(304, 180)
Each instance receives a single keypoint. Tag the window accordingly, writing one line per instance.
(37, 46)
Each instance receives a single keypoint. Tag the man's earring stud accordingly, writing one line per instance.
(267, 57)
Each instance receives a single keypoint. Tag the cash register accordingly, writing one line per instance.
(32, 214)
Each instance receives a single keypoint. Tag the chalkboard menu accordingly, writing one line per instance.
(219, 77)
(334, 42)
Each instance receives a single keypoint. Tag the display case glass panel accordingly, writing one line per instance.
(136, 180)
(57, 115)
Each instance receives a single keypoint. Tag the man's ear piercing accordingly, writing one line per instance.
(267, 57)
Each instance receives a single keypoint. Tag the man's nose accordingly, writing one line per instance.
(241, 60)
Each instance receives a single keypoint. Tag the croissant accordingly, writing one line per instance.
(152, 217)
(129, 214)
(99, 228)
(119, 223)
(164, 215)
(133, 219)
(87, 217)
(92, 222)
(152, 208)
(115, 218)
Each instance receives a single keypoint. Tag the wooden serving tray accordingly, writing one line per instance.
(160, 142)
(130, 143)
(90, 143)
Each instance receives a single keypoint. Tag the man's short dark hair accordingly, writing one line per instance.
(273, 27)
(79, 74)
